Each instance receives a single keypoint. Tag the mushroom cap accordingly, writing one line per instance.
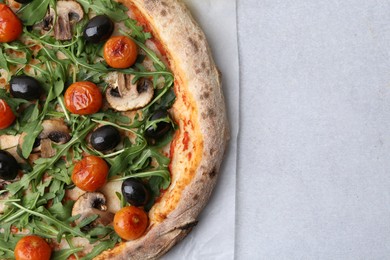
(56, 130)
(66, 14)
(123, 95)
(91, 203)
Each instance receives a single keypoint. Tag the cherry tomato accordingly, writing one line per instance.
(83, 98)
(90, 174)
(10, 25)
(120, 52)
(32, 248)
(130, 222)
(7, 116)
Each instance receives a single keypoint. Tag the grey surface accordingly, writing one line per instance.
(314, 154)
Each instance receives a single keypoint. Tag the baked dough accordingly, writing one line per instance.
(200, 141)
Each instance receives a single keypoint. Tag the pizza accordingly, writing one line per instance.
(112, 128)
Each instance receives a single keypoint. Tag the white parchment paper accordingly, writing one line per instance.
(213, 237)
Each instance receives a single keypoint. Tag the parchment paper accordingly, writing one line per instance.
(214, 236)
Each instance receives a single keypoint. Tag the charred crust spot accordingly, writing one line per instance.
(164, 4)
(213, 173)
(139, 247)
(203, 64)
(189, 225)
(205, 95)
(196, 197)
(212, 151)
(164, 12)
(194, 44)
(197, 71)
(211, 112)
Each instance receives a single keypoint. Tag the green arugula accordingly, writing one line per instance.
(36, 203)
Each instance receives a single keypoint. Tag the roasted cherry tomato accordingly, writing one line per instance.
(10, 25)
(32, 248)
(130, 222)
(90, 174)
(7, 116)
(120, 52)
(83, 98)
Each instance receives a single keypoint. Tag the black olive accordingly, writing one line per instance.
(135, 192)
(8, 166)
(37, 142)
(98, 29)
(162, 127)
(23, 1)
(105, 138)
(25, 87)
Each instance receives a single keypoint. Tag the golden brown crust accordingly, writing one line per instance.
(203, 132)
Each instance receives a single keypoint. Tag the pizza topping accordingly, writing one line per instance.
(123, 94)
(92, 205)
(98, 29)
(9, 167)
(90, 174)
(83, 98)
(11, 27)
(68, 13)
(32, 248)
(53, 162)
(130, 222)
(56, 130)
(7, 116)
(105, 138)
(135, 192)
(25, 87)
(23, 1)
(120, 52)
(161, 125)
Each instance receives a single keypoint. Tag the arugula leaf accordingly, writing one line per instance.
(102, 246)
(3, 61)
(65, 253)
(33, 12)
(112, 9)
(14, 103)
(32, 130)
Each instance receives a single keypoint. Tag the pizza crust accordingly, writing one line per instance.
(199, 144)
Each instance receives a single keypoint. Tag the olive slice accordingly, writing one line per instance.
(8, 166)
(161, 127)
(98, 29)
(25, 87)
(105, 138)
(23, 1)
(135, 192)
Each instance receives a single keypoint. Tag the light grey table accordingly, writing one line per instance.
(314, 147)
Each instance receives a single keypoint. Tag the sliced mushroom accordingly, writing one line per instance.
(89, 204)
(54, 130)
(123, 95)
(68, 13)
